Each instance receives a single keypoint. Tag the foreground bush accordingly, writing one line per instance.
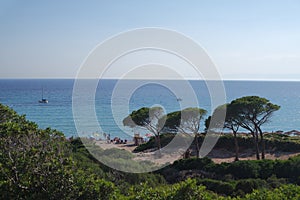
(186, 190)
(42, 164)
(189, 190)
(38, 164)
(286, 192)
(219, 187)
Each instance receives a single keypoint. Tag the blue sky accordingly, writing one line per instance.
(245, 39)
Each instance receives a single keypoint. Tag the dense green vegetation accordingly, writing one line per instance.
(148, 118)
(250, 113)
(235, 178)
(273, 142)
(186, 122)
(43, 164)
(38, 164)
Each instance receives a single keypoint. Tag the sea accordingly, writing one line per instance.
(23, 96)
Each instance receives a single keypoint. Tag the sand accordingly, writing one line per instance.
(128, 147)
(278, 155)
(217, 155)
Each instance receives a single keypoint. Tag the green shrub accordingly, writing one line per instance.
(244, 169)
(220, 169)
(185, 190)
(266, 168)
(248, 185)
(275, 182)
(192, 163)
(285, 192)
(288, 169)
(220, 187)
(165, 139)
(117, 153)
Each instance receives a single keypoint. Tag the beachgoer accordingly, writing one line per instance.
(108, 138)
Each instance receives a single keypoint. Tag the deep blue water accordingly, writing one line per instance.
(23, 96)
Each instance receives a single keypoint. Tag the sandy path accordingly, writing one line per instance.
(278, 155)
(149, 156)
(218, 156)
(128, 147)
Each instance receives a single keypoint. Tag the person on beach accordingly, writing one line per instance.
(108, 138)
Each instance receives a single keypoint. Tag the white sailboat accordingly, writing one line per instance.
(43, 100)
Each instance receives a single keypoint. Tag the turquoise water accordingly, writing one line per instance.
(23, 96)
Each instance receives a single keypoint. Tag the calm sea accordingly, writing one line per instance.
(23, 96)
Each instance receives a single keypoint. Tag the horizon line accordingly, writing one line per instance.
(168, 79)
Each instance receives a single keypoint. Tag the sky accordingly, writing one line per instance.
(247, 40)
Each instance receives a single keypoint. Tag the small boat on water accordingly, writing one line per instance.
(43, 100)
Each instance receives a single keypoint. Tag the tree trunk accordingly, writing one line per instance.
(263, 145)
(257, 147)
(158, 141)
(236, 147)
(255, 139)
(157, 138)
(197, 146)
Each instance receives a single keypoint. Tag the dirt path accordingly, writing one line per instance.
(128, 147)
(278, 155)
(217, 155)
